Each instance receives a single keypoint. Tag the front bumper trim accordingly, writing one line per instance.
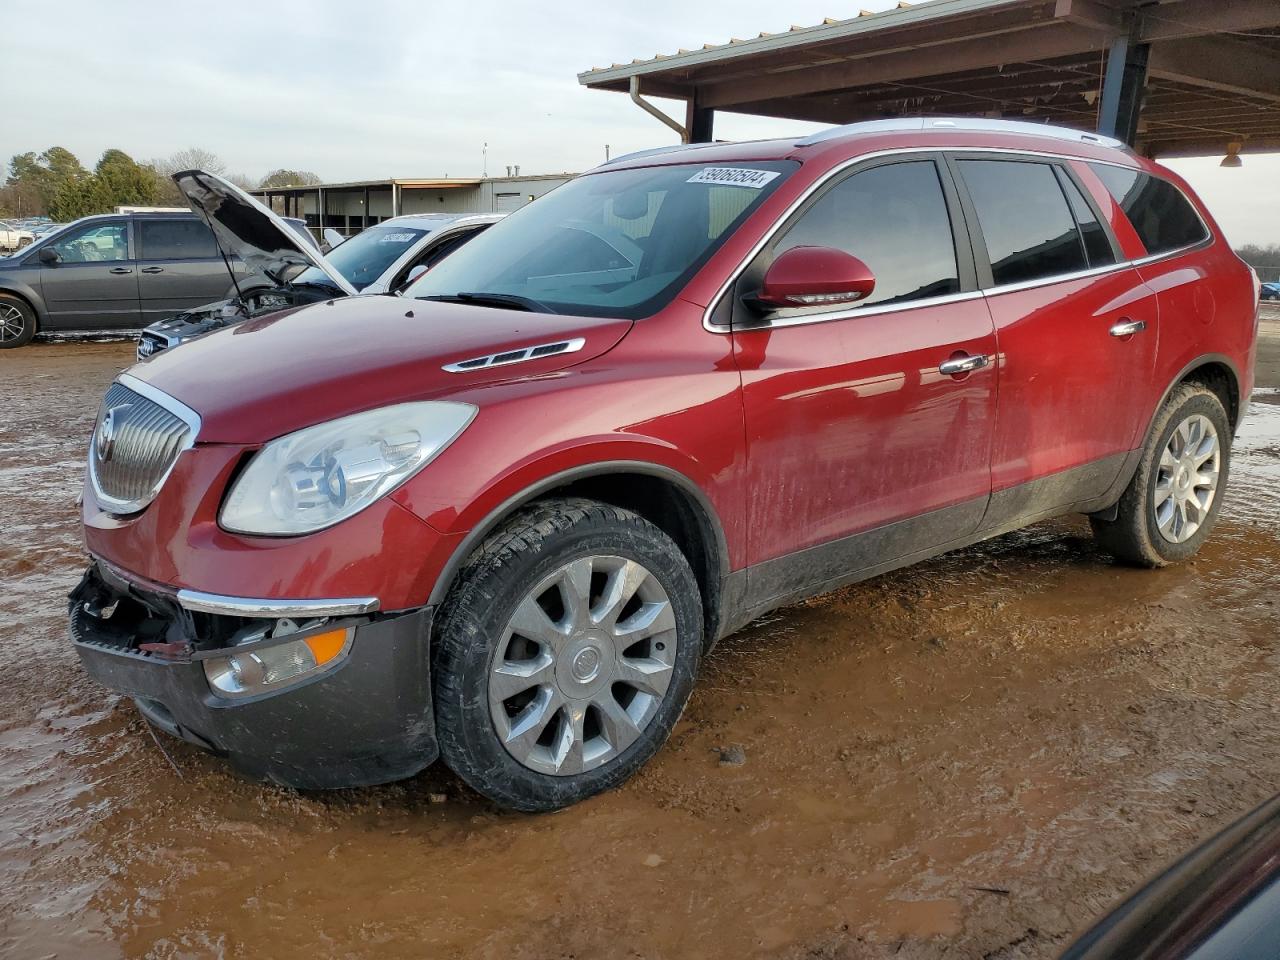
(201, 602)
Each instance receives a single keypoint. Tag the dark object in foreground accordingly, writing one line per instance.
(1219, 902)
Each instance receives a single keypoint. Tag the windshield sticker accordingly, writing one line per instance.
(396, 238)
(733, 177)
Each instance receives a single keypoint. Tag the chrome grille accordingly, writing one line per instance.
(136, 442)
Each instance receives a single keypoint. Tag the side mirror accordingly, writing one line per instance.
(812, 276)
(48, 255)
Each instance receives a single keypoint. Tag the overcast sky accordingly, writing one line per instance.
(379, 88)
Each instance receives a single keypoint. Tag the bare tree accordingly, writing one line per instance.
(290, 178)
(192, 158)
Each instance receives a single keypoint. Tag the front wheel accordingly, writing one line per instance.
(565, 654)
(1172, 502)
(17, 322)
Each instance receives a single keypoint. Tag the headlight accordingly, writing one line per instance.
(321, 475)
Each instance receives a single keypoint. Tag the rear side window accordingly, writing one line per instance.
(1026, 223)
(1162, 216)
(893, 218)
(1097, 245)
(176, 240)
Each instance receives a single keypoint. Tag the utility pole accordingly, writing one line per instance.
(484, 153)
(606, 153)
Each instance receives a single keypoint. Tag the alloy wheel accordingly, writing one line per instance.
(1187, 479)
(12, 323)
(583, 665)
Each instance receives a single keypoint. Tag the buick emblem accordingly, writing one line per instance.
(105, 441)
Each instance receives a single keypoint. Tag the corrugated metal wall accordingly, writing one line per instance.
(489, 196)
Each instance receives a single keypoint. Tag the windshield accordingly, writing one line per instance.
(614, 244)
(366, 256)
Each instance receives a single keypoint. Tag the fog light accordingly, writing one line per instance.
(266, 668)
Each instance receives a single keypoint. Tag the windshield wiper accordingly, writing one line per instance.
(509, 301)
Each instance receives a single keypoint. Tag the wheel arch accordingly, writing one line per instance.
(662, 495)
(1218, 373)
(29, 298)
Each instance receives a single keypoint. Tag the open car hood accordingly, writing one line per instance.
(249, 230)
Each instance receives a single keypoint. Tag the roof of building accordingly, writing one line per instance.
(429, 183)
(1213, 72)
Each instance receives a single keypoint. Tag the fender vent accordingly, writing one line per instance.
(517, 356)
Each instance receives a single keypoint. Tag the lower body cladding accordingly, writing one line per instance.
(352, 708)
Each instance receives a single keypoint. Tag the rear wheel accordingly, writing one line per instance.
(565, 654)
(1172, 502)
(17, 322)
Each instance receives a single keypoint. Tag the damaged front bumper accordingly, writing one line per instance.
(364, 718)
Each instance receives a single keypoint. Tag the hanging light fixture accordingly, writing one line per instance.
(1232, 159)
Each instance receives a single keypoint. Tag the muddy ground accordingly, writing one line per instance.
(971, 758)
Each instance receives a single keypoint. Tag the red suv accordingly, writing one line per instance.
(502, 522)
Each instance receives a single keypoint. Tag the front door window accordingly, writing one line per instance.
(101, 242)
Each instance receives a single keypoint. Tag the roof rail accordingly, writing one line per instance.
(962, 123)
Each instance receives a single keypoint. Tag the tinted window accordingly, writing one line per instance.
(619, 243)
(1163, 217)
(366, 256)
(1097, 246)
(893, 218)
(442, 250)
(176, 240)
(102, 241)
(1027, 226)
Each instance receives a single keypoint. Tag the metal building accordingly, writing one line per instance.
(350, 207)
(1171, 77)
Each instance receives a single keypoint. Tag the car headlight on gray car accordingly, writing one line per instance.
(323, 474)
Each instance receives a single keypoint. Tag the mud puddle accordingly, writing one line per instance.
(972, 757)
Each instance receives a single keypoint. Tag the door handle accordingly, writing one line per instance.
(121, 270)
(1127, 328)
(959, 365)
(153, 269)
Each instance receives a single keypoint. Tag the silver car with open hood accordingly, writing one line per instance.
(286, 271)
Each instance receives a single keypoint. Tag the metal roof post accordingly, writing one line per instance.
(1123, 88)
(649, 108)
(698, 120)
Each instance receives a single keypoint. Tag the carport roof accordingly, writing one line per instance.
(1213, 73)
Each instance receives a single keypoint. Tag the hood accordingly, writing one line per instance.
(249, 230)
(270, 376)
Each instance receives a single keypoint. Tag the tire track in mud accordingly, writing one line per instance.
(972, 757)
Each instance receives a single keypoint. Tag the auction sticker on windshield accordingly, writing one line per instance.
(733, 177)
(396, 238)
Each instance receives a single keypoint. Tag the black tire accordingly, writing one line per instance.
(1134, 537)
(469, 628)
(8, 339)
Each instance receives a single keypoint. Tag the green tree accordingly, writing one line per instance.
(124, 181)
(289, 178)
(46, 174)
(80, 198)
(62, 164)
